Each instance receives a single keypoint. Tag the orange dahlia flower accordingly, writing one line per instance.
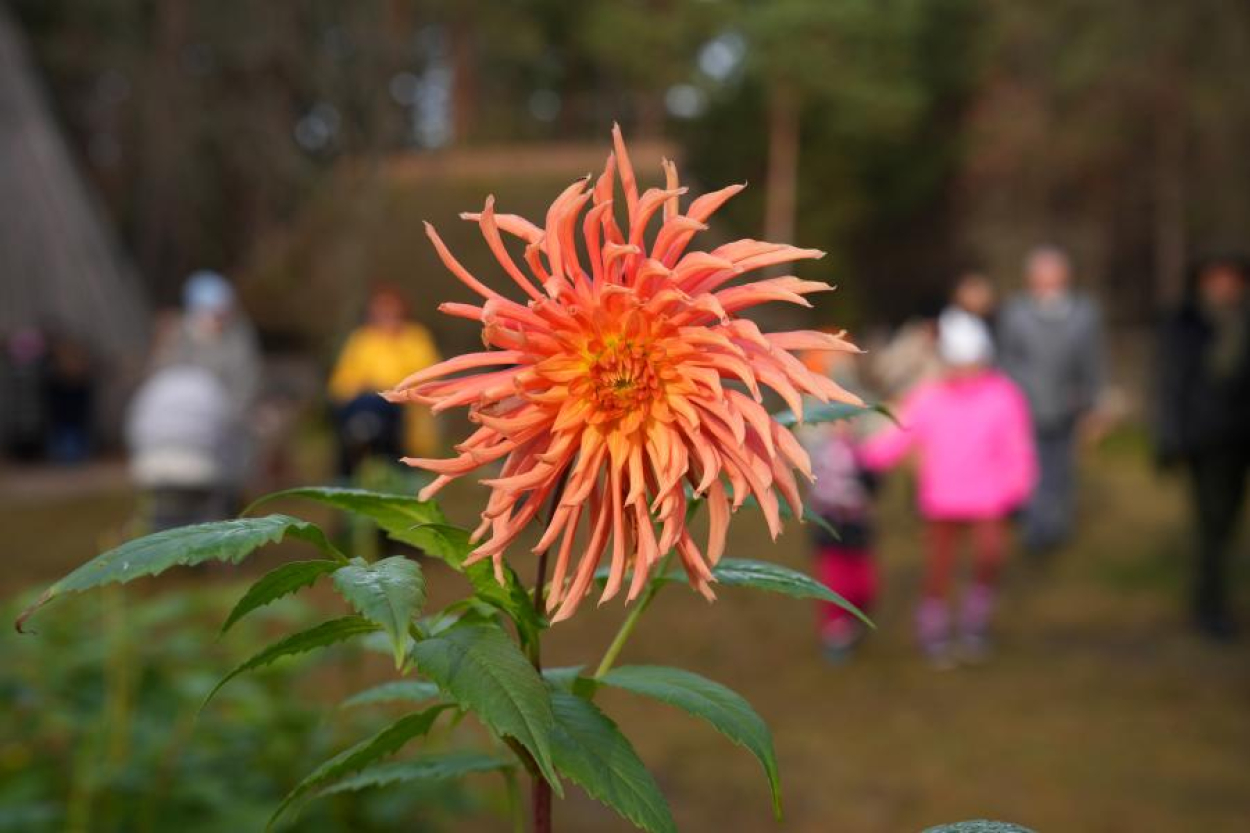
(624, 374)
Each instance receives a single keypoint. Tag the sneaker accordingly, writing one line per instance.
(940, 656)
(1216, 627)
(975, 648)
(840, 639)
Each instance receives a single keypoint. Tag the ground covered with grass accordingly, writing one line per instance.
(1099, 713)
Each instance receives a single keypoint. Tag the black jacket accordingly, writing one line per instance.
(1195, 411)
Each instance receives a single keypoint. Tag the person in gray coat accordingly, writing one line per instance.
(1051, 345)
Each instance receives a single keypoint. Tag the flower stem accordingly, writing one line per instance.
(540, 792)
(631, 621)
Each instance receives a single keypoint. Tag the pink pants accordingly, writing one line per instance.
(852, 574)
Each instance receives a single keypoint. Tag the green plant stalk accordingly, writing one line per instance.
(631, 621)
(515, 810)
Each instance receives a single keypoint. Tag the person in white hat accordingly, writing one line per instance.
(970, 430)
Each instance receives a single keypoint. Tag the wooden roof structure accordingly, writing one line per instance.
(60, 266)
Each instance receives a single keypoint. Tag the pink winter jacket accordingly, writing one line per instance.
(974, 443)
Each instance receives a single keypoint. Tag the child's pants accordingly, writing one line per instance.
(851, 572)
(989, 537)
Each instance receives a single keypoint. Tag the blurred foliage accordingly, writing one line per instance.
(934, 135)
(101, 729)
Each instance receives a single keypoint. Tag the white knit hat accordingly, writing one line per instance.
(963, 339)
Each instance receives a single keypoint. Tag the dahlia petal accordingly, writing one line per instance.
(718, 521)
(589, 562)
(628, 183)
(760, 420)
(673, 237)
(652, 201)
(466, 361)
(703, 207)
(461, 311)
(671, 205)
(616, 571)
(456, 269)
(486, 220)
(511, 223)
(592, 230)
(811, 340)
(560, 570)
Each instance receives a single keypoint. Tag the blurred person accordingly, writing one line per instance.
(213, 334)
(910, 356)
(178, 427)
(24, 408)
(69, 392)
(974, 294)
(842, 496)
(971, 432)
(1203, 420)
(378, 355)
(1050, 342)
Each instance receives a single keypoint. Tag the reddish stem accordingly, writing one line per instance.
(540, 794)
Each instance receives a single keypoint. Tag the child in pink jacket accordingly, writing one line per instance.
(976, 464)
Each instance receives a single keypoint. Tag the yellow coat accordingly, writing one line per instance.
(374, 359)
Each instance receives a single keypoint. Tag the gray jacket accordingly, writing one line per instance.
(1055, 355)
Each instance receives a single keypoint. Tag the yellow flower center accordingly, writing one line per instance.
(621, 376)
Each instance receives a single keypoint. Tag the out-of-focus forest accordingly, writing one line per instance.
(296, 146)
(911, 139)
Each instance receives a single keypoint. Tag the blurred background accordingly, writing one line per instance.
(210, 228)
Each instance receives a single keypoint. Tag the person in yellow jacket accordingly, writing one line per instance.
(377, 355)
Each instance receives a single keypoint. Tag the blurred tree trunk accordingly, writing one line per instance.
(1169, 208)
(650, 113)
(464, 92)
(781, 188)
(162, 137)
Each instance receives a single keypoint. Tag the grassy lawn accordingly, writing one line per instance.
(1100, 712)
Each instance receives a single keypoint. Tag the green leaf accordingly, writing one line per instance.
(592, 752)
(318, 636)
(564, 677)
(511, 597)
(385, 743)
(389, 592)
(784, 511)
(397, 690)
(279, 582)
(832, 412)
(810, 516)
(229, 541)
(438, 767)
(978, 826)
(422, 524)
(726, 710)
(481, 669)
(764, 575)
(402, 517)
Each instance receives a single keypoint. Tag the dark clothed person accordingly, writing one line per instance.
(1203, 421)
(1050, 343)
